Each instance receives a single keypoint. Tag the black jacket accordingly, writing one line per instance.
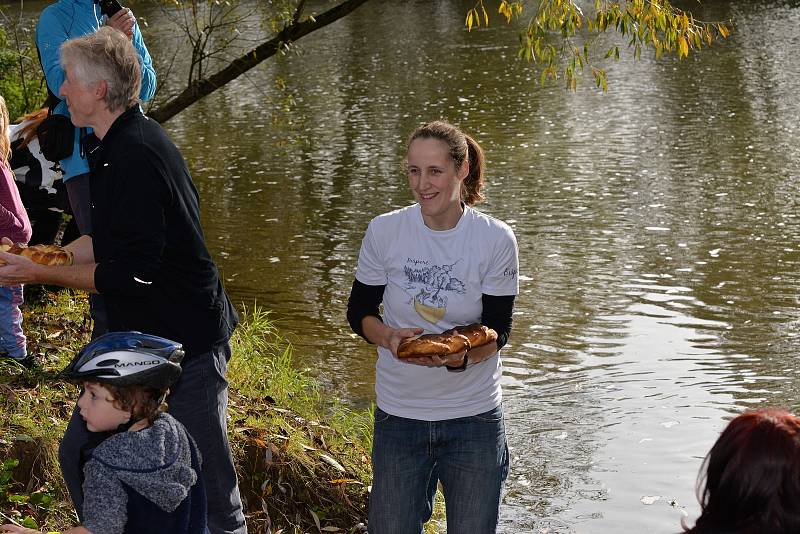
(154, 269)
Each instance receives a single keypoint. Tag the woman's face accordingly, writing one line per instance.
(435, 182)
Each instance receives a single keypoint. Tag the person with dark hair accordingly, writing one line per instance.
(751, 477)
(145, 474)
(436, 265)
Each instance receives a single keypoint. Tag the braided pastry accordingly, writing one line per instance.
(42, 254)
(477, 334)
(450, 341)
(432, 345)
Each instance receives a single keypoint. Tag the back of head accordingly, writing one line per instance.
(462, 148)
(106, 55)
(752, 476)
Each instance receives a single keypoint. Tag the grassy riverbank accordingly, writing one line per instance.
(303, 462)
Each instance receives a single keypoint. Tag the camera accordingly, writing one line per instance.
(109, 7)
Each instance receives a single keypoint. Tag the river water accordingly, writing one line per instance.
(658, 229)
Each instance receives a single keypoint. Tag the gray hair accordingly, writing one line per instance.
(106, 55)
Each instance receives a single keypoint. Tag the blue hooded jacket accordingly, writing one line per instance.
(68, 19)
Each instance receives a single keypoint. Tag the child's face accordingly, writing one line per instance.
(97, 408)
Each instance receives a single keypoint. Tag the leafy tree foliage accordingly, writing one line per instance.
(653, 24)
(557, 36)
(21, 80)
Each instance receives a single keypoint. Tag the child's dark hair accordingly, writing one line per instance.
(144, 402)
(461, 147)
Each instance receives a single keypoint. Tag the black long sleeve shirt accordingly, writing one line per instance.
(154, 269)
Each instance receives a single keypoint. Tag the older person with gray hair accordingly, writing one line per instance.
(147, 256)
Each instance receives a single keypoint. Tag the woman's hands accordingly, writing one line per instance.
(386, 336)
(400, 334)
(450, 360)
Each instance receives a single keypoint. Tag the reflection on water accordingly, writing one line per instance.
(658, 231)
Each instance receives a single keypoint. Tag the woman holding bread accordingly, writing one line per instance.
(437, 265)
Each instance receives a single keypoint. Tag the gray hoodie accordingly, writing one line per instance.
(154, 462)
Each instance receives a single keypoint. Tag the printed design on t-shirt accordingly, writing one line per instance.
(430, 285)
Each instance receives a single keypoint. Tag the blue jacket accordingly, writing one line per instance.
(68, 19)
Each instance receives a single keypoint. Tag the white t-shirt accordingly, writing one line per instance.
(434, 280)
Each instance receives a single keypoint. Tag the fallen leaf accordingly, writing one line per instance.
(331, 462)
(316, 519)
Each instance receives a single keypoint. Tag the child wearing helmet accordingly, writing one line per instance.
(145, 474)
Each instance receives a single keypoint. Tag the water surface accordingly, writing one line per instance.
(657, 225)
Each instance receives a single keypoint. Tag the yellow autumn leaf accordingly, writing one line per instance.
(683, 47)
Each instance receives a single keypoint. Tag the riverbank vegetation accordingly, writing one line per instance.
(303, 460)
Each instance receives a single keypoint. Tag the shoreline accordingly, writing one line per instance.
(303, 460)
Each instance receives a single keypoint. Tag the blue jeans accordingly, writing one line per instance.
(468, 455)
(199, 400)
(12, 339)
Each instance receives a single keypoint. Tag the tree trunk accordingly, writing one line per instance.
(247, 61)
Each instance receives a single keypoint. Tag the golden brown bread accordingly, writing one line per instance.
(450, 341)
(42, 254)
(477, 334)
(432, 345)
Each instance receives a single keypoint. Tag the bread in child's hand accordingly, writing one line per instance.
(433, 345)
(41, 254)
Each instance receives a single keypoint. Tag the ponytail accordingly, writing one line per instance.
(472, 185)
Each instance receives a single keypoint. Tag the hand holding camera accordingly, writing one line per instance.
(118, 17)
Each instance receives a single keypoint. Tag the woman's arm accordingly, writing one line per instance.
(365, 320)
(386, 336)
(9, 221)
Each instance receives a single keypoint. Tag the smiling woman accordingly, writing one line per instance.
(443, 167)
(436, 265)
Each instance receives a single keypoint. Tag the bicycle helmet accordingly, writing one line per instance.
(127, 358)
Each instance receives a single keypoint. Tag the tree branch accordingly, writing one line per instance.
(247, 61)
